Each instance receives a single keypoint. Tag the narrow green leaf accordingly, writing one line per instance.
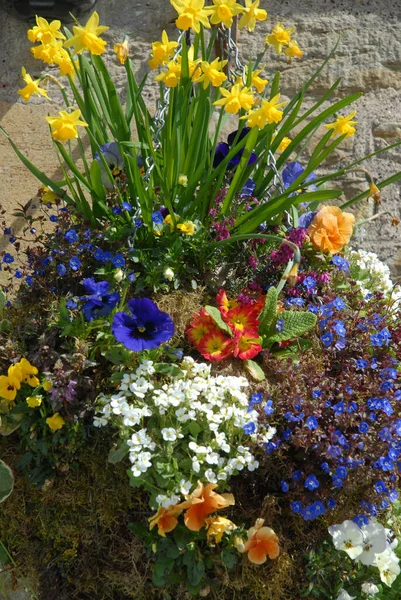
(254, 370)
(214, 312)
(268, 314)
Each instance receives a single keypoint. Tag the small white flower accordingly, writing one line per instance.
(210, 476)
(343, 595)
(370, 589)
(348, 537)
(169, 434)
(253, 465)
(195, 465)
(185, 487)
(169, 274)
(100, 421)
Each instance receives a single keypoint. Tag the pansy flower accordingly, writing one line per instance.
(112, 155)
(262, 543)
(145, 328)
(98, 302)
(223, 148)
(292, 171)
(203, 502)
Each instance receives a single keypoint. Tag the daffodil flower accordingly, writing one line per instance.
(267, 114)
(32, 87)
(65, 126)
(45, 32)
(236, 98)
(191, 14)
(343, 125)
(122, 51)
(47, 52)
(162, 51)
(87, 38)
(279, 37)
(293, 50)
(252, 13)
(258, 82)
(223, 11)
(212, 73)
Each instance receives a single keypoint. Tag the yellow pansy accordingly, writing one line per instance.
(293, 50)
(236, 98)
(258, 82)
(217, 527)
(87, 38)
(10, 383)
(47, 385)
(212, 73)
(55, 422)
(32, 87)
(162, 51)
(343, 125)
(223, 11)
(267, 114)
(65, 126)
(29, 372)
(34, 401)
(168, 220)
(122, 51)
(47, 52)
(45, 32)
(47, 196)
(279, 37)
(191, 14)
(188, 227)
(252, 13)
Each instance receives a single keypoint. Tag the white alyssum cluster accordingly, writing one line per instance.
(192, 423)
(372, 274)
(370, 545)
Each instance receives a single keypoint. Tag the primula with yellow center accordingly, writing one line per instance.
(32, 87)
(279, 37)
(235, 99)
(267, 114)
(55, 422)
(223, 11)
(34, 401)
(212, 73)
(45, 32)
(65, 126)
(87, 38)
(162, 51)
(293, 50)
(122, 51)
(343, 125)
(191, 14)
(252, 13)
(49, 53)
(258, 82)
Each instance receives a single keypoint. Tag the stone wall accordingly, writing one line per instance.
(368, 59)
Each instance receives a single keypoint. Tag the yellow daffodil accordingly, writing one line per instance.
(47, 52)
(258, 82)
(65, 126)
(29, 372)
(11, 383)
(267, 114)
(47, 385)
(236, 98)
(374, 193)
(55, 422)
(191, 14)
(87, 38)
(65, 64)
(162, 51)
(223, 11)
(34, 401)
(32, 87)
(279, 37)
(217, 527)
(45, 32)
(293, 50)
(343, 125)
(212, 73)
(283, 145)
(252, 13)
(122, 51)
(171, 77)
(188, 227)
(183, 180)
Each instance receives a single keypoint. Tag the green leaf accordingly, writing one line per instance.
(269, 311)
(229, 558)
(117, 454)
(168, 369)
(217, 318)
(194, 428)
(295, 324)
(6, 481)
(195, 568)
(254, 370)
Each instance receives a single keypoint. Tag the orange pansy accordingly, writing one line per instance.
(262, 542)
(331, 229)
(165, 519)
(203, 502)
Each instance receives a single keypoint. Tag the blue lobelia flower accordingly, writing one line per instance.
(147, 327)
(223, 148)
(112, 155)
(98, 302)
(292, 171)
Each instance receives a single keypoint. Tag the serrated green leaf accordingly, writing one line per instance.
(254, 370)
(269, 311)
(294, 325)
(214, 312)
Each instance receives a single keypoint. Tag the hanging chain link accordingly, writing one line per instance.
(230, 52)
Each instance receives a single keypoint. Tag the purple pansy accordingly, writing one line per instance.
(147, 327)
(223, 148)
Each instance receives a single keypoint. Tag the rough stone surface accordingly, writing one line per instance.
(368, 59)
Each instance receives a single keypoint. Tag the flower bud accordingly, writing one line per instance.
(119, 275)
(169, 274)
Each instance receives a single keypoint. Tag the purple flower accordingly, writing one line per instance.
(147, 327)
(306, 219)
(75, 263)
(112, 155)
(311, 483)
(292, 171)
(223, 148)
(71, 236)
(98, 302)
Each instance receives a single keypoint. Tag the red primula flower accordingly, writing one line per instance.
(216, 346)
(241, 318)
(224, 303)
(201, 325)
(247, 344)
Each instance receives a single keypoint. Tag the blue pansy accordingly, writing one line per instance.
(112, 156)
(145, 328)
(98, 302)
(306, 219)
(292, 171)
(248, 189)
